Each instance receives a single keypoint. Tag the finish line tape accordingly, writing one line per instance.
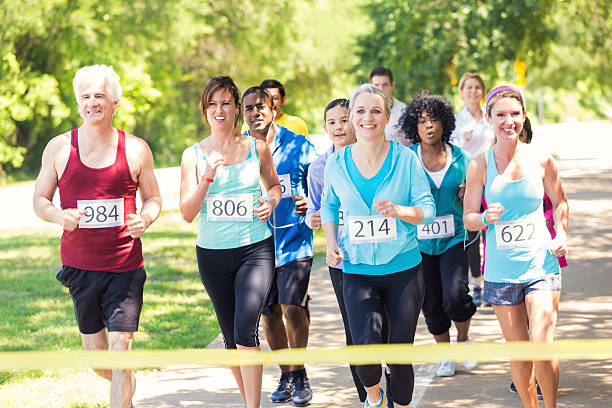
(370, 354)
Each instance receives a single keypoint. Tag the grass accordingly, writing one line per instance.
(38, 313)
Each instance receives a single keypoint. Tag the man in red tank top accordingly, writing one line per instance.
(98, 170)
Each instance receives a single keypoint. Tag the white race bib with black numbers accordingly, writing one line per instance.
(370, 229)
(441, 227)
(229, 207)
(520, 233)
(285, 182)
(101, 213)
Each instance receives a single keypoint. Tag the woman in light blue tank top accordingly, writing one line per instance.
(522, 274)
(220, 182)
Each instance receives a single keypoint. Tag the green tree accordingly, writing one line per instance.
(428, 44)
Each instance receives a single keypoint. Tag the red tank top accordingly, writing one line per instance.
(106, 195)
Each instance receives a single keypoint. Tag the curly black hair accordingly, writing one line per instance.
(436, 106)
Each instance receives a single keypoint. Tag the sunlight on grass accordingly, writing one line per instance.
(177, 312)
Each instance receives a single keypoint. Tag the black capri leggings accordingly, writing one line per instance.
(367, 299)
(238, 281)
(446, 289)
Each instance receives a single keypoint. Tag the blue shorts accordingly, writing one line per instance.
(509, 294)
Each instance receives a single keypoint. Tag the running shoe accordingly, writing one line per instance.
(469, 364)
(300, 388)
(477, 295)
(446, 369)
(512, 389)
(388, 389)
(381, 404)
(283, 391)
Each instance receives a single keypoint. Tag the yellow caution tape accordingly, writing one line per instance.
(371, 354)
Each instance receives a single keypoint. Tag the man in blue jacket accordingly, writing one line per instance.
(292, 154)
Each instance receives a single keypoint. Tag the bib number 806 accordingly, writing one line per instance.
(230, 207)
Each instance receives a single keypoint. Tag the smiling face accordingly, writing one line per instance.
(94, 102)
(507, 117)
(429, 129)
(338, 127)
(368, 116)
(472, 92)
(221, 111)
(258, 113)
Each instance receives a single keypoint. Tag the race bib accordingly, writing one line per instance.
(519, 233)
(229, 207)
(441, 227)
(285, 182)
(340, 218)
(370, 229)
(101, 213)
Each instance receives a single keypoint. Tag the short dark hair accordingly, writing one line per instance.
(273, 83)
(382, 71)
(215, 84)
(261, 91)
(336, 102)
(436, 106)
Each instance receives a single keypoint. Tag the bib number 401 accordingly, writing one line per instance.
(370, 229)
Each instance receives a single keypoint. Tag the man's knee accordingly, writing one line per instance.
(118, 341)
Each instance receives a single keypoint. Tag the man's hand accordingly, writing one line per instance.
(301, 205)
(72, 217)
(136, 225)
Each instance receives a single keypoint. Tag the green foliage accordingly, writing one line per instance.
(428, 44)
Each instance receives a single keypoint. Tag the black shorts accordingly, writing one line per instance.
(105, 299)
(291, 284)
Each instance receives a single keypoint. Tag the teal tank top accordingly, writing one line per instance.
(517, 245)
(229, 199)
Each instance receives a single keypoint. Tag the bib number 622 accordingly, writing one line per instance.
(370, 229)
(514, 234)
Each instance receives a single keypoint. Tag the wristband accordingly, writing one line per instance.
(206, 179)
(482, 218)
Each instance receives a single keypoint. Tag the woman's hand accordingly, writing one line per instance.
(212, 162)
(494, 213)
(264, 211)
(334, 254)
(386, 208)
(558, 246)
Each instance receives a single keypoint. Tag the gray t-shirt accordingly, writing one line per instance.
(392, 130)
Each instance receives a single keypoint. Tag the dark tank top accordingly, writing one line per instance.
(105, 196)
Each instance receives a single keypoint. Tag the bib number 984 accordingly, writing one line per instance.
(370, 229)
(101, 213)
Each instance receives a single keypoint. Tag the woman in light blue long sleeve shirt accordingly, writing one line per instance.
(383, 192)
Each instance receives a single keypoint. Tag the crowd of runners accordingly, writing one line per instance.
(406, 195)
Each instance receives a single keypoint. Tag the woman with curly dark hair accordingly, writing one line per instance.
(428, 122)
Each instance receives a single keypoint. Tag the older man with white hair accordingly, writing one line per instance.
(98, 170)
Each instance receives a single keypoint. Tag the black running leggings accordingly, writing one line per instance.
(238, 281)
(367, 299)
(446, 289)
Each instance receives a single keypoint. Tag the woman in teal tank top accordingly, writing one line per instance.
(522, 275)
(235, 251)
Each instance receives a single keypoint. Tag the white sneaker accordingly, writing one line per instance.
(446, 369)
(469, 364)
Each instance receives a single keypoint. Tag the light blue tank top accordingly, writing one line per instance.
(240, 178)
(522, 253)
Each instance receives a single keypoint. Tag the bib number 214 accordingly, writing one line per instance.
(371, 229)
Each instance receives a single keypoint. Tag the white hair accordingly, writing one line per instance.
(373, 90)
(90, 72)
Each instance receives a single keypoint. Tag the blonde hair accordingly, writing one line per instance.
(373, 90)
(470, 75)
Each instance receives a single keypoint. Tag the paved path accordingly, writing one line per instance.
(583, 152)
